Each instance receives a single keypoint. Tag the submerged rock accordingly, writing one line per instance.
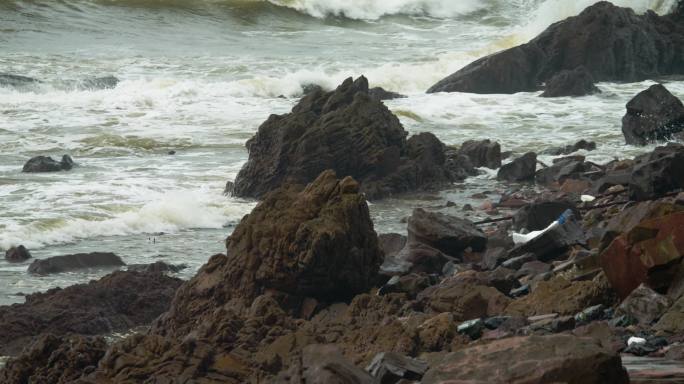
(48, 164)
(612, 43)
(348, 131)
(653, 115)
(576, 82)
(115, 303)
(17, 254)
(59, 264)
(95, 83)
(15, 81)
(534, 359)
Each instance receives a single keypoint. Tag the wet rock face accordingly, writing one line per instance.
(54, 359)
(448, 234)
(535, 359)
(520, 169)
(48, 164)
(658, 173)
(612, 43)
(17, 254)
(577, 82)
(58, 264)
(117, 302)
(648, 253)
(483, 153)
(346, 130)
(652, 115)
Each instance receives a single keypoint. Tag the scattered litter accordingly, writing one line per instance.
(522, 238)
(587, 198)
(635, 340)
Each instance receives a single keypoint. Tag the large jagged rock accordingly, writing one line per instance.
(612, 43)
(350, 132)
(648, 253)
(657, 173)
(54, 359)
(520, 169)
(449, 234)
(315, 241)
(66, 263)
(561, 296)
(534, 359)
(115, 303)
(576, 82)
(653, 115)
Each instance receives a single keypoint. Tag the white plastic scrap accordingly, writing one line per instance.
(635, 340)
(520, 238)
(587, 198)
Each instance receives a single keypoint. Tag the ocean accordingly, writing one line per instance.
(198, 78)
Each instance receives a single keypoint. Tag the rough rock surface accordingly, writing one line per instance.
(527, 360)
(644, 305)
(672, 321)
(645, 254)
(58, 264)
(48, 164)
(576, 82)
(55, 360)
(653, 115)
(658, 173)
(17, 254)
(382, 94)
(520, 169)
(612, 43)
(350, 132)
(561, 296)
(117, 302)
(466, 301)
(482, 153)
(448, 234)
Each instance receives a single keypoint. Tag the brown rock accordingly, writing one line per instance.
(115, 303)
(54, 359)
(672, 322)
(561, 296)
(644, 305)
(530, 360)
(449, 234)
(465, 300)
(645, 254)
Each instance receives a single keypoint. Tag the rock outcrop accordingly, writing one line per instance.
(576, 82)
(653, 115)
(59, 264)
(350, 132)
(115, 303)
(611, 43)
(48, 164)
(535, 359)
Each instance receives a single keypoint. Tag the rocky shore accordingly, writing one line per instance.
(579, 268)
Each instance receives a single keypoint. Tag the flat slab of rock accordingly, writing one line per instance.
(652, 115)
(58, 264)
(117, 302)
(534, 359)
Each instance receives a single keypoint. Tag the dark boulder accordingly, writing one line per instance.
(537, 216)
(568, 149)
(534, 359)
(159, 267)
(568, 168)
(612, 43)
(17, 254)
(48, 164)
(59, 264)
(482, 153)
(653, 115)
(576, 82)
(54, 359)
(520, 169)
(379, 93)
(350, 132)
(644, 305)
(449, 234)
(115, 303)
(658, 173)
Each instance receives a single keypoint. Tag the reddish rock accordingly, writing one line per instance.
(531, 360)
(645, 254)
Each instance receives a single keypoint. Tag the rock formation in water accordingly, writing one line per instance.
(611, 43)
(653, 115)
(350, 132)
